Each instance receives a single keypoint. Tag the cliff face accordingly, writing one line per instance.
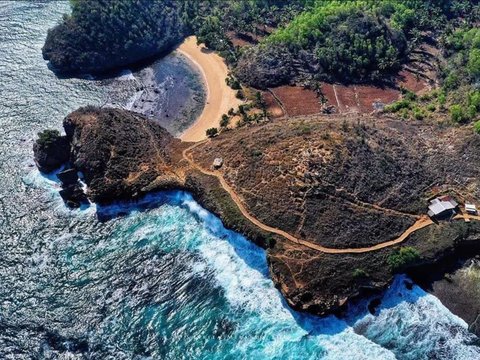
(334, 183)
(51, 155)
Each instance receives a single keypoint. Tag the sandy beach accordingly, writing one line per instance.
(220, 97)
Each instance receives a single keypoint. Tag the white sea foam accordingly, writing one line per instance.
(50, 185)
(411, 323)
(125, 75)
(270, 328)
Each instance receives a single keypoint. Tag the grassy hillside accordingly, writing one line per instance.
(350, 41)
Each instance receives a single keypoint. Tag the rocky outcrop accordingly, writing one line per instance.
(50, 155)
(92, 40)
(345, 182)
(121, 154)
(68, 177)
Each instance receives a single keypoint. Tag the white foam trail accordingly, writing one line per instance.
(413, 316)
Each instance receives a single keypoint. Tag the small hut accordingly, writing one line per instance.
(217, 163)
(471, 209)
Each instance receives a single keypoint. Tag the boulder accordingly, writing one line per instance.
(73, 196)
(68, 177)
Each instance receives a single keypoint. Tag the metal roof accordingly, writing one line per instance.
(471, 207)
(438, 206)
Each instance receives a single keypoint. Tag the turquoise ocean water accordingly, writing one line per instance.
(165, 280)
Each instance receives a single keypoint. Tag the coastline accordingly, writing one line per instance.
(219, 96)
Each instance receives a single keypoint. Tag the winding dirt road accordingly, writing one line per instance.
(421, 223)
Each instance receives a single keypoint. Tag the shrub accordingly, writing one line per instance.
(403, 257)
(359, 273)
(46, 138)
(305, 129)
(239, 95)
(404, 114)
(473, 65)
(457, 114)
(224, 121)
(426, 97)
(474, 100)
(451, 81)
(409, 95)
(471, 112)
(233, 83)
(398, 105)
(418, 113)
(212, 132)
(256, 153)
(431, 107)
(476, 127)
(442, 99)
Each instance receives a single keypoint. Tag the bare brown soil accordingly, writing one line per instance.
(413, 82)
(274, 108)
(297, 100)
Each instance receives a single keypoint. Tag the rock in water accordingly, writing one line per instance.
(51, 151)
(73, 196)
(68, 177)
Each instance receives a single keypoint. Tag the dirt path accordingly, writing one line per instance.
(421, 223)
(220, 97)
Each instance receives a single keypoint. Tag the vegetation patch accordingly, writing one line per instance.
(47, 138)
(402, 258)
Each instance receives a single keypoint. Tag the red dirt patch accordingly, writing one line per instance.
(273, 107)
(368, 95)
(297, 100)
(358, 98)
(412, 82)
(347, 99)
(329, 94)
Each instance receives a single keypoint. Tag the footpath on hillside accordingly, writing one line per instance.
(421, 222)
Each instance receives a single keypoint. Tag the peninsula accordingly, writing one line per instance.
(291, 192)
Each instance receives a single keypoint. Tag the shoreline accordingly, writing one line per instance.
(219, 96)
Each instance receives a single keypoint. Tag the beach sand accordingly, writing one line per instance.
(220, 97)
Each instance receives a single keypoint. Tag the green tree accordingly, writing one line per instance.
(457, 114)
(225, 121)
(403, 257)
(212, 132)
(473, 65)
(47, 138)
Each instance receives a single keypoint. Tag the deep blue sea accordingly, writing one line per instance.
(167, 280)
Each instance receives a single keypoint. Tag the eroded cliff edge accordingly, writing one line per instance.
(339, 184)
